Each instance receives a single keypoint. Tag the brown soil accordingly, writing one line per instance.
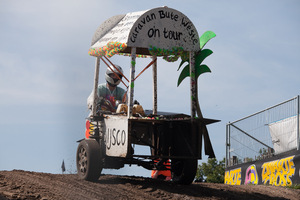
(19, 184)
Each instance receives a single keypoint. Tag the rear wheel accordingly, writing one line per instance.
(184, 171)
(88, 160)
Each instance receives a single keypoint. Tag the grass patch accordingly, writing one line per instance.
(296, 186)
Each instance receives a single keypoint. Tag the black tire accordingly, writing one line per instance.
(184, 171)
(88, 160)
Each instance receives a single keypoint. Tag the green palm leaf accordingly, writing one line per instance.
(200, 69)
(205, 37)
(182, 62)
(184, 73)
(201, 56)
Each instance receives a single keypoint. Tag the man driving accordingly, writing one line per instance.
(109, 94)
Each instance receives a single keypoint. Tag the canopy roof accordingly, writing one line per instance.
(160, 31)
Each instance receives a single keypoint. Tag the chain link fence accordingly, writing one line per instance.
(264, 134)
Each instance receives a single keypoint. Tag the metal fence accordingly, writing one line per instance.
(264, 134)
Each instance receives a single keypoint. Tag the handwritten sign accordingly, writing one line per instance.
(164, 28)
(116, 136)
(160, 27)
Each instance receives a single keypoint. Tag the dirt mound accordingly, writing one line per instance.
(19, 184)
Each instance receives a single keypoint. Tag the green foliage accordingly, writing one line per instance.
(205, 37)
(212, 171)
(199, 57)
(186, 72)
(296, 186)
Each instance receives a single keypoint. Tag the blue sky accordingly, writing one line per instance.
(46, 73)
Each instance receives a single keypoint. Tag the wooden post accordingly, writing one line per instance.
(96, 78)
(194, 100)
(193, 88)
(131, 82)
(154, 74)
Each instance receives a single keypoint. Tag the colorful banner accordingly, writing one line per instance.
(280, 170)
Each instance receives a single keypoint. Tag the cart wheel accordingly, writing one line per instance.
(88, 160)
(184, 171)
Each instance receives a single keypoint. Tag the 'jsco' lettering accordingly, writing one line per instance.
(115, 137)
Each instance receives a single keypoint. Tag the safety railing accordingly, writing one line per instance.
(264, 134)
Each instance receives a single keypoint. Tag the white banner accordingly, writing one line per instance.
(284, 134)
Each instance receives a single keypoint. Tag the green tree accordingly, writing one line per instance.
(212, 171)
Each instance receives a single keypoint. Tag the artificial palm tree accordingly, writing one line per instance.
(199, 69)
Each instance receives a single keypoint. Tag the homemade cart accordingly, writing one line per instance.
(110, 136)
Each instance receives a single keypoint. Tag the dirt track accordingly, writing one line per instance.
(19, 184)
